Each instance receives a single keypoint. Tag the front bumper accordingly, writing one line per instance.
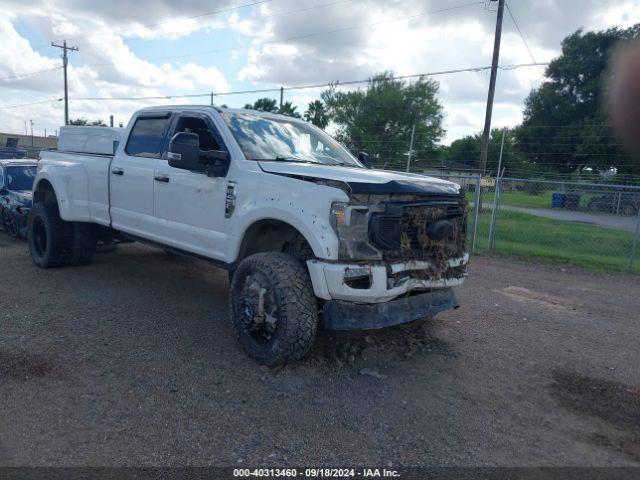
(329, 280)
(339, 315)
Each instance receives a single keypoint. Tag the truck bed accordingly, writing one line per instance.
(86, 179)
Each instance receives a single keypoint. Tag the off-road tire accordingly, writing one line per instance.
(83, 244)
(49, 237)
(297, 308)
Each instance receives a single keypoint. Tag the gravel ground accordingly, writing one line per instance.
(132, 361)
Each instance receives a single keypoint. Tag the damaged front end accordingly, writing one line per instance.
(414, 236)
(14, 212)
(399, 253)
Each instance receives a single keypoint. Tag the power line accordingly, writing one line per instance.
(520, 32)
(300, 87)
(39, 102)
(31, 74)
(336, 83)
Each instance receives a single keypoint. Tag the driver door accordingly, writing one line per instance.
(190, 206)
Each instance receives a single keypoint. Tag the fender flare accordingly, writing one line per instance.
(58, 191)
(318, 242)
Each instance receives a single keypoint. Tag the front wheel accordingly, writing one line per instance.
(273, 308)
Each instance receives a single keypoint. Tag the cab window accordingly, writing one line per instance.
(197, 125)
(147, 137)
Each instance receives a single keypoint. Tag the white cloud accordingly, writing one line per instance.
(104, 67)
(285, 46)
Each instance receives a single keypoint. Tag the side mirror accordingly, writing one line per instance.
(364, 159)
(184, 152)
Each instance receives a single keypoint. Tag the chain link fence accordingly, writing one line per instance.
(586, 224)
(19, 152)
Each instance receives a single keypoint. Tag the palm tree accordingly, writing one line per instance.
(264, 105)
(317, 114)
(289, 109)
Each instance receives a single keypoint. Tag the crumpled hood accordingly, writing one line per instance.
(361, 180)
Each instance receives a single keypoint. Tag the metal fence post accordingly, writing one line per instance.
(496, 194)
(494, 213)
(634, 246)
(477, 213)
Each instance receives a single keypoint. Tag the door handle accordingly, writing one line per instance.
(117, 171)
(161, 178)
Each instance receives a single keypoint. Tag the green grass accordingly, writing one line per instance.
(528, 200)
(517, 199)
(530, 236)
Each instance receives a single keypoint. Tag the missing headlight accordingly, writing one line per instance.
(351, 225)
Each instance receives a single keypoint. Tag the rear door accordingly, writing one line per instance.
(190, 206)
(131, 176)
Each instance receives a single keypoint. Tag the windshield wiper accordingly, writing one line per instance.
(293, 159)
(279, 158)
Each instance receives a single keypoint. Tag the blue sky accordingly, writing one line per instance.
(273, 43)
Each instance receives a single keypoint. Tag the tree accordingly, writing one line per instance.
(565, 126)
(317, 114)
(465, 153)
(379, 119)
(264, 105)
(289, 109)
(84, 122)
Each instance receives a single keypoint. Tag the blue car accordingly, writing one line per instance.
(16, 182)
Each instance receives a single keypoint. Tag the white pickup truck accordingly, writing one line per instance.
(308, 233)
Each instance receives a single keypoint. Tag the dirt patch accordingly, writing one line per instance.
(615, 403)
(337, 349)
(24, 366)
(522, 294)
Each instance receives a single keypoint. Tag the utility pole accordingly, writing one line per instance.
(211, 99)
(410, 154)
(111, 120)
(281, 96)
(31, 123)
(492, 88)
(65, 61)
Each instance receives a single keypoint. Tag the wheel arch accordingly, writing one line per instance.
(44, 191)
(274, 235)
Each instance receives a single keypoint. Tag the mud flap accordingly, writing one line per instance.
(340, 315)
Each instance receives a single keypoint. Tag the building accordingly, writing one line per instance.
(459, 173)
(16, 140)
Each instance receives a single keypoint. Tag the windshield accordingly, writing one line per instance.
(280, 139)
(21, 178)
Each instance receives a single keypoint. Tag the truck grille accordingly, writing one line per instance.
(402, 230)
